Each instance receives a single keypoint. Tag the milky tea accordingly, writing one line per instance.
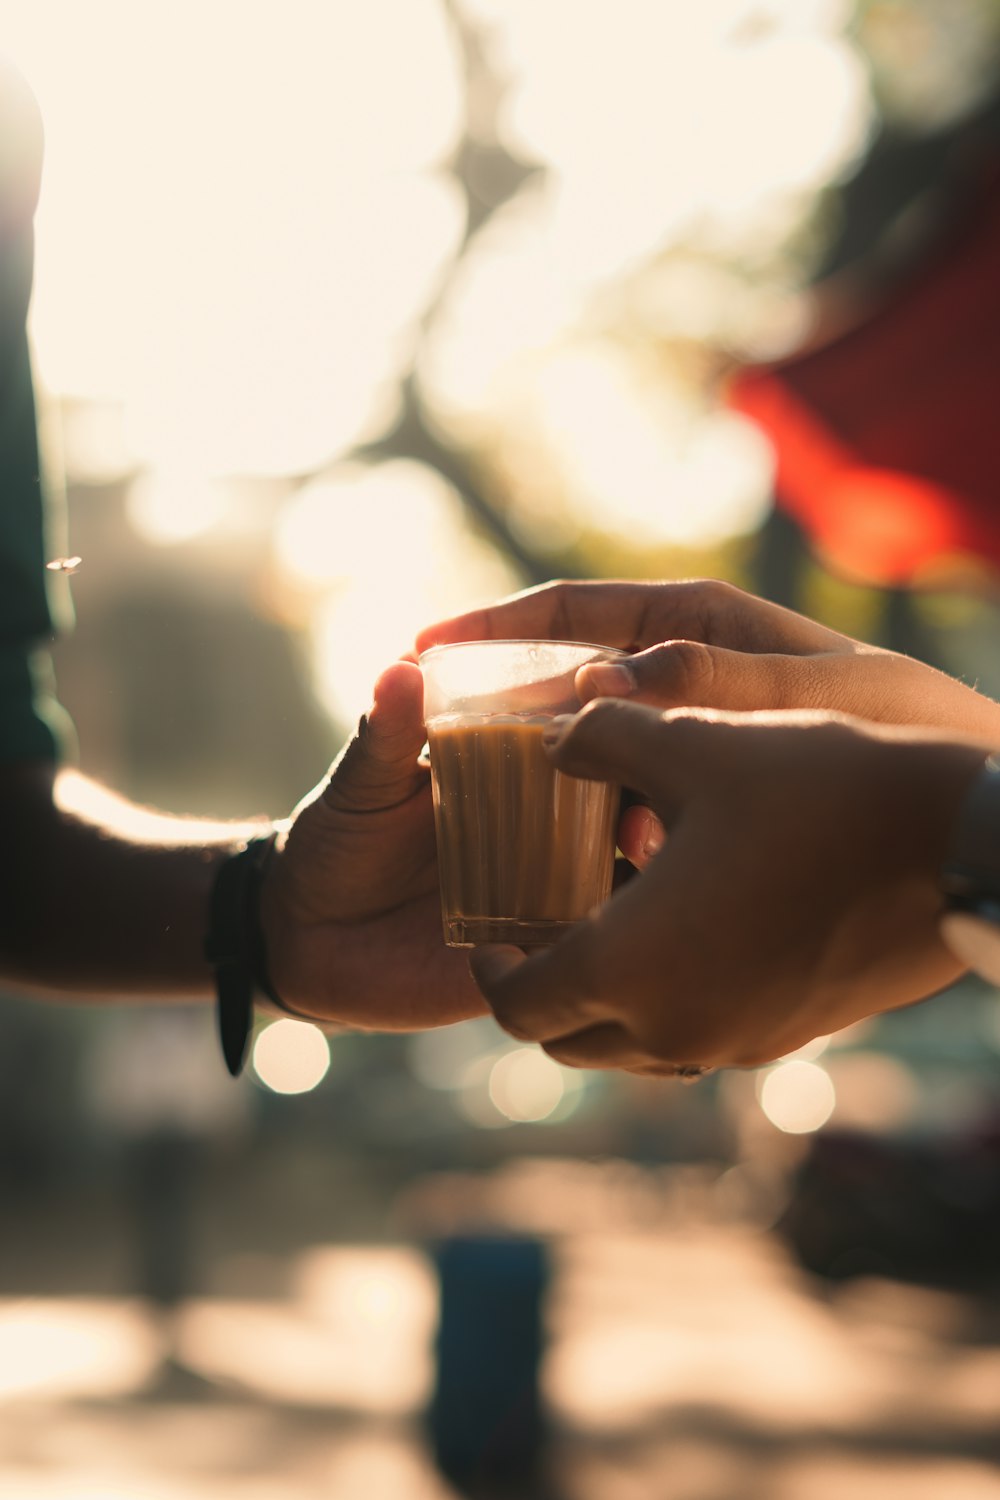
(523, 851)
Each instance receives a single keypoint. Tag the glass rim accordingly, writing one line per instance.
(527, 640)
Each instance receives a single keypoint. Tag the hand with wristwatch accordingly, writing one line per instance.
(816, 820)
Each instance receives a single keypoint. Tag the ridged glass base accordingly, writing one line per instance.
(470, 932)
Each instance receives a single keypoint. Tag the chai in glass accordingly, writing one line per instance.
(524, 851)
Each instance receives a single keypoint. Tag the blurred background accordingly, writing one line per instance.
(350, 316)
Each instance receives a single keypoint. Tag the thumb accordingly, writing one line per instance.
(692, 674)
(654, 754)
(378, 768)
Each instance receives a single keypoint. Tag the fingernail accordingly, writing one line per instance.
(611, 679)
(653, 839)
(555, 729)
(491, 965)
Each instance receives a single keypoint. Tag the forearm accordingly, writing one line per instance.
(100, 896)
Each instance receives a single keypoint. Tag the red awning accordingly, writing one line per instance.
(888, 439)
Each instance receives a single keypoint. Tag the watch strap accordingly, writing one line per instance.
(234, 946)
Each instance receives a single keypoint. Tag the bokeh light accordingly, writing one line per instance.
(510, 1085)
(797, 1097)
(526, 1085)
(291, 1057)
(875, 1092)
(440, 1057)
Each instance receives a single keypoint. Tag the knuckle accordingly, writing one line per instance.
(593, 725)
(687, 670)
(560, 594)
(713, 603)
(714, 593)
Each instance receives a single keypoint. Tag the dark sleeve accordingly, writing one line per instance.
(29, 715)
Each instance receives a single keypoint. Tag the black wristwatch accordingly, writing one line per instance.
(970, 880)
(234, 946)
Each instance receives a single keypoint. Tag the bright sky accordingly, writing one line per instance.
(240, 218)
(245, 215)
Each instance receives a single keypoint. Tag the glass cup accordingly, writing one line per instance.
(524, 852)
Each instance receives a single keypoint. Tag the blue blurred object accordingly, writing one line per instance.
(485, 1418)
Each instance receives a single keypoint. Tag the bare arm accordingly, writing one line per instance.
(100, 896)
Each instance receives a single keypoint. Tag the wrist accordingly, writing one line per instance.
(235, 945)
(276, 916)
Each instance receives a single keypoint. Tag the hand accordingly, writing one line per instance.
(350, 906)
(796, 892)
(710, 645)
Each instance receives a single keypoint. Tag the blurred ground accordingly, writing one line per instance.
(690, 1361)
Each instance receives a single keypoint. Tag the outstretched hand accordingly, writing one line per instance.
(350, 905)
(796, 891)
(707, 644)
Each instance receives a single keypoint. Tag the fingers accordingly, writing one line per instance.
(641, 835)
(597, 997)
(611, 1046)
(536, 999)
(607, 614)
(379, 768)
(606, 1045)
(632, 744)
(681, 674)
(579, 982)
(649, 964)
(635, 615)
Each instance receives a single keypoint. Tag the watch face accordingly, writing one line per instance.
(975, 941)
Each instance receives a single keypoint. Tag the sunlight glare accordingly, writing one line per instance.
(386, 1289)
(803, 111)
(62, 1348)
(287, 1355)
(713, 119)
(388, 549)
(166, 506)
(509, 299)
(81, 797)
(634, 464)
(240, 277)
